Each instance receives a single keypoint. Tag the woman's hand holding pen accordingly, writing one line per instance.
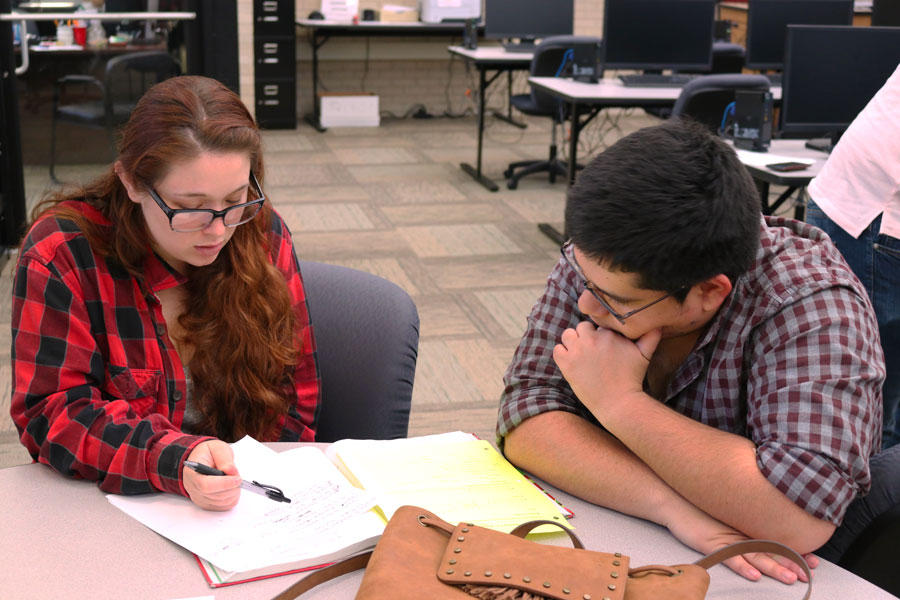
(213, 492)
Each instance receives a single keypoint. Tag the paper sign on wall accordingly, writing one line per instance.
(340, 10)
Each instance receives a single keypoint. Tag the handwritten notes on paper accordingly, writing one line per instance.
(325, 515)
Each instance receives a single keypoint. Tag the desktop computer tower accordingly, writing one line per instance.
(586, 63)
(753, 120)
(470, 34)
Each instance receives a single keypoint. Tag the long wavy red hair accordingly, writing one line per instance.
(238, 319)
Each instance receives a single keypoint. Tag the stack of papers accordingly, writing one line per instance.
(342, 501)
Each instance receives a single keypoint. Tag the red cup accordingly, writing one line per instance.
(80, 35)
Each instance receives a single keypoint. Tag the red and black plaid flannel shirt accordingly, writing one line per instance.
(792, 361)
(98, 388)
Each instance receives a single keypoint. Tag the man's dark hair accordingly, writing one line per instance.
(670, 203)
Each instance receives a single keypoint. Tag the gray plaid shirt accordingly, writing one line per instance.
(791, 361)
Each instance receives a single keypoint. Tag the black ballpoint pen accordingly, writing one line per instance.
(270, 491)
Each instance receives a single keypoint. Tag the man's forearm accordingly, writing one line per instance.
(714, 470)
(582, 459)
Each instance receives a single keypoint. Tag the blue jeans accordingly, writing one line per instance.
(875, 258)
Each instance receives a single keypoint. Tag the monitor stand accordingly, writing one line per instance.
(776, 78)
(525, 44)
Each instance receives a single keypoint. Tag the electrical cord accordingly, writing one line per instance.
(728, 112)
(566, 57)
(365, 75)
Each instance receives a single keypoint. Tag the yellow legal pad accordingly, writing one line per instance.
(460, 481)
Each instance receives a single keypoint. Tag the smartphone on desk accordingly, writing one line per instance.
(787, 166)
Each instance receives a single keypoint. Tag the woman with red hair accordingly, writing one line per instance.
(159, 312)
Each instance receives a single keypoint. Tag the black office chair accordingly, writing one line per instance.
(367, 339)
(705, 98)
(548, 61)
(126, 79)
(727, 57)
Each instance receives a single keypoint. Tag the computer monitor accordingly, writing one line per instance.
(658, 34)
(528, 20)
(886, 12)
(767, 21)
(831, 73)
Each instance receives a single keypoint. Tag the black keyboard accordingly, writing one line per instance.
(522, 48)
(656, 80)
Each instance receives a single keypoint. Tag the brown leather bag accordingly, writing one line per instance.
(421, 556)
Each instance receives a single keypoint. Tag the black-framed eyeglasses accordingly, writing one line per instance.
(566, 250)
(186, 220)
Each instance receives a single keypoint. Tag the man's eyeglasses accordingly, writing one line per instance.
(185, 220)
(569, 256)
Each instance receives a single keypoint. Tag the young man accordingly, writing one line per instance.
(695, 365)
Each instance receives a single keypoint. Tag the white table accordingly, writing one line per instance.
(323, 30)
(61, 538)
(589, 99)
(498, 60)
(795, 181)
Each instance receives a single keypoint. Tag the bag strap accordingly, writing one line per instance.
(360, 561)
(747, 546)
(324, 574)
(525, 528)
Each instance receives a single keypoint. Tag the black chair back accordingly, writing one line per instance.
(705, 98)
(129, 76)
(547, 62)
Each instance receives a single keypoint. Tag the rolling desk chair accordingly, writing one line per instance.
(126, 79)
(705, 98)
(549, 60)
(727, 57)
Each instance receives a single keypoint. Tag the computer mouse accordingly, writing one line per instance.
(316, 15)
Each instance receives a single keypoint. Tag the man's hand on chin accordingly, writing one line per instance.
(603, 366)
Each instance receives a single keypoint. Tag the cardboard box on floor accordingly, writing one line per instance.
(348, 109)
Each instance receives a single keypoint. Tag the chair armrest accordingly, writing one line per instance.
(79, 78)
(82, 79)
(61, 83)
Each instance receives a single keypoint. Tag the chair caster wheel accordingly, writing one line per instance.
(511, 184)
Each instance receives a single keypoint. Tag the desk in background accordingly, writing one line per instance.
(498, 60)
(322, 31)
(61, 538)
(588, 99)
(796, 181)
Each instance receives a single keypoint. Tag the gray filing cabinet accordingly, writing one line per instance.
(275, 65)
